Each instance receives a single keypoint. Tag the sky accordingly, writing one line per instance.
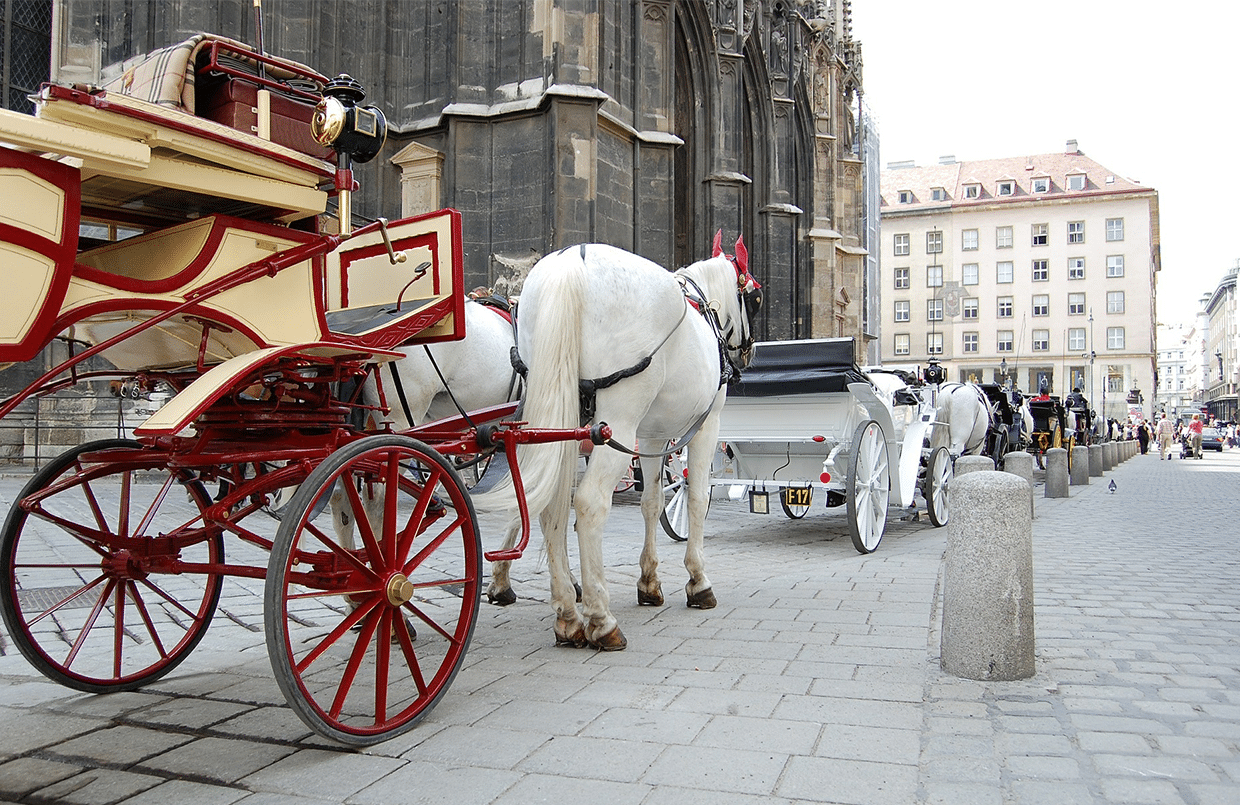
(1148, 89)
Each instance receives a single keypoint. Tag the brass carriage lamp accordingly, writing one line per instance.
(357, 134)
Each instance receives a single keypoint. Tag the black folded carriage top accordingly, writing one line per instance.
(817, 366)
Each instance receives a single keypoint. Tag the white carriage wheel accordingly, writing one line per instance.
(939, 474)
(869, 488)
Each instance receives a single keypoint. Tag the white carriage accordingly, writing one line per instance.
(806, 422)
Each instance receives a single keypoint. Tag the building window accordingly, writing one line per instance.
(1004, 272)
(969, 308)
(968, 240)
(969, 342)
(906, 196)
(903, 310)
(1076, 304)
(1115, 265)
(934, 276)
(902, 343)
(1115, 380)
(1076, 181)
(1005, 307)
(1004, 340)
(1041, 184)
(1041, 305)
(899, 245)
(938, 194)
(1041, 340)
(1115, 338)
(934, 310)
(1076, 339)
(934, 343)
(934, 242)
(1041, 270)
(1003, 237)
(968, 274)
(1041, 234)
(1076, 232)
(902, 278)
(1076, 268)
(973, 191)
(1006, 188)
(1115, 301)
(1115, 229)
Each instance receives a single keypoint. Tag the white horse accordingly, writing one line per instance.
(652, 344)
(967, 412)
(475, 370)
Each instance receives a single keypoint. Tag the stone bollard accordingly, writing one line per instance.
(1095, 461)
(973, 464)
(1020, 463)
(988, 628)
(1108, 456)
(1079, 471)
(1056, 473)
(1114, 447)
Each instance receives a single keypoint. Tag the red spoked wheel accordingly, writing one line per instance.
(95, 591)
(366, 637)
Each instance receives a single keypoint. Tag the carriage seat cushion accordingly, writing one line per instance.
(823, 366)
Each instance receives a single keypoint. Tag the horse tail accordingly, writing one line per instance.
(551, 388)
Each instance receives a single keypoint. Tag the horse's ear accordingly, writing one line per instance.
(716, 248)
(742, 255)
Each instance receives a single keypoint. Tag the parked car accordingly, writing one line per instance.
(1211, 439)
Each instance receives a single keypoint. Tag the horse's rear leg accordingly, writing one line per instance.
(593, 503)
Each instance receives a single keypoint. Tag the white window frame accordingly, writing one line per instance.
(1076, 232)
(1115, 338)
(1076, 339)
(1115, 229)
(901, 340)
(1040, 270)
(968, 240)
(934, 310)
(1040, 184)
(1075, 309)
(903, 278)
(900, 244)
(938, 194)
(904, 310)
(1041, 340)
(1005, 188)
(1076, 268)
(1005, 272)
(1041, 304)
(969, 342)
(1004, 307)
(969, 274)
(1115, 301)
(934, 276)
(934, 241)
(970, 305)
(1115, 265)
(934, 343)
(1004, 340)
(1040, 235)
(906, 196)
(1076, 181)
(1003, 237)
(973, 190)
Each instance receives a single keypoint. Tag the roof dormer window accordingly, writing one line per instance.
(972, 190)
(1076, 181)
(906, 196)
(938, 194)
(1040, 184)
(1005, 188)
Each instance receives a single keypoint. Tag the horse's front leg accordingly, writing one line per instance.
(593, 504)
(698, 592)
(649, 590)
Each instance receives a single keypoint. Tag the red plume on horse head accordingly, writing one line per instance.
(741, 260)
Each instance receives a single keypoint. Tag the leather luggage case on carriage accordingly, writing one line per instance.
(234, 102)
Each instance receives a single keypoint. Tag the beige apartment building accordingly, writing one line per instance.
(1038, 268)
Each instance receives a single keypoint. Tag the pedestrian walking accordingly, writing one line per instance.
(1143, 437)
(1194, 434)
(1166, 433)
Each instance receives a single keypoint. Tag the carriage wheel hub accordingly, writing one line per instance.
(399, 590)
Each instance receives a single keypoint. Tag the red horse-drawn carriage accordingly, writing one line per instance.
(233, 291)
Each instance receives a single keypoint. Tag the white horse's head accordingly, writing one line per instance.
(733, 294)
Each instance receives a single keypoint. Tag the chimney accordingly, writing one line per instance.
(901, 164)
(947, 159)
(1072, 148)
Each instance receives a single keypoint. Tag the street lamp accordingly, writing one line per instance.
(1003, 372)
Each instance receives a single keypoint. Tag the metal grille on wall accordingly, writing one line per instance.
(25, 50)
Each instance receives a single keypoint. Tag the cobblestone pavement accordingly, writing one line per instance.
(815, 680)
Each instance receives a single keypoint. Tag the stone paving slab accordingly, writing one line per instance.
(815, 680)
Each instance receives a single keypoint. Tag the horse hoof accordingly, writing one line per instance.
(502, 598)
(577, 587)
(703, 599)
(650, 598)
(612, 641)
(571, 634)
